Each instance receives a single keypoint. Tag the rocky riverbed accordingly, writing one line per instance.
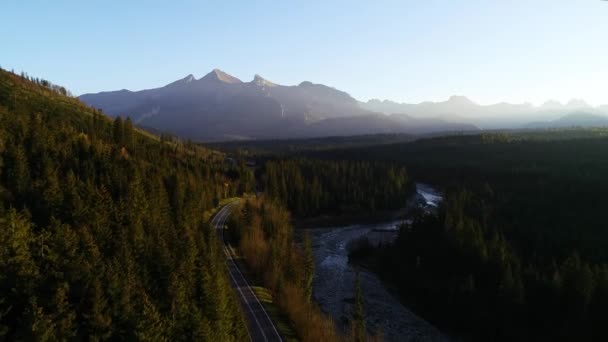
(333, 285)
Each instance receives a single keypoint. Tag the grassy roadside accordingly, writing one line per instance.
(278, 317)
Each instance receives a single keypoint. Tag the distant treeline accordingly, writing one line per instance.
(286, 147)
(44, 83)
(313, 187)
(101, 227)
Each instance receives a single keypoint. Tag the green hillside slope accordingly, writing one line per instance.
(101, 227)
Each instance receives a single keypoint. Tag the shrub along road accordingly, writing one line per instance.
(259, 324)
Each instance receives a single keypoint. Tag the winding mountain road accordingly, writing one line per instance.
(259, 324)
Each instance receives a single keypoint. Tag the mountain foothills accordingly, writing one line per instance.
(221, 107)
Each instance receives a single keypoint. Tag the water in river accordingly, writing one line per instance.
(333, 285)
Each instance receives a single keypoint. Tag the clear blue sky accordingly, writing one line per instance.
(491, 51)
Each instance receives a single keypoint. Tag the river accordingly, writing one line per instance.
(333, 284)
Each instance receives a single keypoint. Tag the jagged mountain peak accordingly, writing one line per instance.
(185, 80)
(461, 100)
(220, 76)
(180, 84)
(577, 103)
(262, 82)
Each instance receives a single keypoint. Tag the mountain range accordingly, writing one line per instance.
(500, 115)
(581, 119)
(219, 106)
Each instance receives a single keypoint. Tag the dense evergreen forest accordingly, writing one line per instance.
(547, 193)
(460, 272)
(517, 251)
(101, 226)
(314, 187)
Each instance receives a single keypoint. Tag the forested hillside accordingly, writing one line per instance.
(101, 227)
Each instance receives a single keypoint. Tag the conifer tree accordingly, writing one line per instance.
(118, 131)
(358, 320)
(309, 267)
(128, 134)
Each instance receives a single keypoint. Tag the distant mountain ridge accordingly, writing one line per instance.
(219, 106)
(579, 119)
(500, 115)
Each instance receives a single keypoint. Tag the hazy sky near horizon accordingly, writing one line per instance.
(407, 51)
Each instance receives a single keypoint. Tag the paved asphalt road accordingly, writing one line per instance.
(259, 324)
